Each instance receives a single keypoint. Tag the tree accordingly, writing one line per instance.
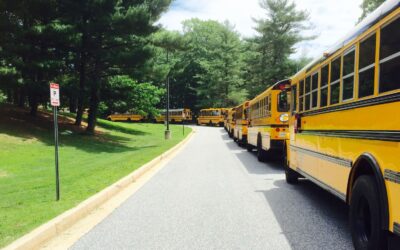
(214, 56)
(112, 40)
(126, 95)
(368, 6)
(30, 33)
(278, 34)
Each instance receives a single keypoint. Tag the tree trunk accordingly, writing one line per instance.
(94, 99)
(15, 96)
(82, 78)
(9, 96)
(72, 104)
(21, 99)
(33, 104)
(94, 104)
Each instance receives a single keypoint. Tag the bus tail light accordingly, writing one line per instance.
(277, 130)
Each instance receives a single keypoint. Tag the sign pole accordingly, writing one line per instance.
(56, 153)
(55, 102)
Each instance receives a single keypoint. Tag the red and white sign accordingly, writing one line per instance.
(54, 94)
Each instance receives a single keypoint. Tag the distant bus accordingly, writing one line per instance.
(345, 126)
(228, 117)
(241, 123)
(268, 122)
(175, 116)
(211, 117)
(126, 117)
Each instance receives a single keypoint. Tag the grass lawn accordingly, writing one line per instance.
(87, 164)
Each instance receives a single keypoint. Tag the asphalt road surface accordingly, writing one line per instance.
(216, 195)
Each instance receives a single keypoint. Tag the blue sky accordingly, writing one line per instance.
(331, 19)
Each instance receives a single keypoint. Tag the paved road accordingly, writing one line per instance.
(215, 195)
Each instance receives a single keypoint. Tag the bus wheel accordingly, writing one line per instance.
(261, 154)
(129, 120)
(365, 215)
(249, 147)
(291, 176)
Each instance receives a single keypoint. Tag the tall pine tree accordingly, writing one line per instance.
(277, 36)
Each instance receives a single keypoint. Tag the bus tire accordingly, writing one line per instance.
(129, 120)
(261, 154)
(249, 147)
(365, 215)
(291, 176)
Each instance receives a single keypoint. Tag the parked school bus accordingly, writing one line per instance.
(231, 122)
(126, 117)
(226, 118)
(211, 117)
(175, 116)
(345, 126)
(268, 122)
(241, 123)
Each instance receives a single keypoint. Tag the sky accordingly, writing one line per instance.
(330, 19)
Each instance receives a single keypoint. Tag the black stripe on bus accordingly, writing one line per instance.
(392, 176)
(380, 135)
(396, 228)
(330, 158)
(323, 185)
(353, 105)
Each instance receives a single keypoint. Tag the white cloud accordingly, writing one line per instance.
(331, 19)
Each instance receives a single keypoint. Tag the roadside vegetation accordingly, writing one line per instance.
(88, 164)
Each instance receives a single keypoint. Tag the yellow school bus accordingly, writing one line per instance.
(345, 126)
(211, 117)
(268, 122)
(126, 117)
(175, 116)
(227, 118)
(230, 126)
(241, 123)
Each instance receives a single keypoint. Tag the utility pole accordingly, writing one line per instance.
(167, 133)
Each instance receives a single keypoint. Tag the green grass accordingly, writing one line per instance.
(88, 164)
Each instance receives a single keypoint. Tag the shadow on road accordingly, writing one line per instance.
(310, 217)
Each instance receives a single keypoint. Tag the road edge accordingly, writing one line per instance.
(56, 226)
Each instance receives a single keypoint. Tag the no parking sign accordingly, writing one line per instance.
(54, 94)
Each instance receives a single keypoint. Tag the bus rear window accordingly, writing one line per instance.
(283, 105)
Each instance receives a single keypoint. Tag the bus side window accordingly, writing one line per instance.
(366, 75)
(389, 77)
(307, 94)
(293, 104)
(301, 96)
(335, 80)
(324, 86)
(314, 90)
(348, 75)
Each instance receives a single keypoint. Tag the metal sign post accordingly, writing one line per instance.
(55, 102)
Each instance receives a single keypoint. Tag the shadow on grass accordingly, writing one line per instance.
(120, 128)
(18, 123)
